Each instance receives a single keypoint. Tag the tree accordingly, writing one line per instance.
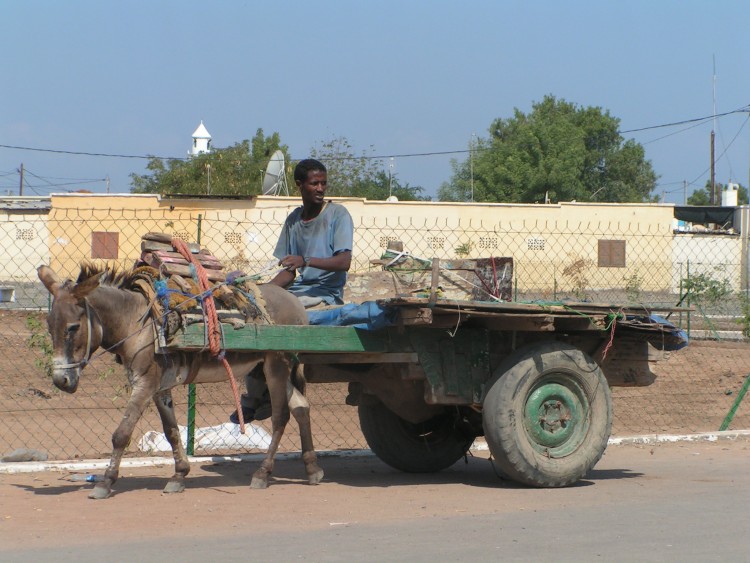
(345, 169)
(383, 185)
(559, 152)
(360, 175)
(701, 195)
(235, 170)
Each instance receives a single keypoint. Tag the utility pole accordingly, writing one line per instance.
(20, 184)
(713, 171)
(471, 164)
(684, 192)
(713, 136)
(390, 178)
(107, 180)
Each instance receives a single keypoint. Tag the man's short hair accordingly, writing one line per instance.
(306, 166)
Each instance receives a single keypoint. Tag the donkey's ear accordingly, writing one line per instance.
(85, 287)
(49, 279)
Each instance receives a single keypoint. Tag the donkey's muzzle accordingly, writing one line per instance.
(66, 379)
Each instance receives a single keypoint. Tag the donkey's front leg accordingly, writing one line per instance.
(139, 397)
(164, 405)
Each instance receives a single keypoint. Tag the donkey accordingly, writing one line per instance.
(98, 311)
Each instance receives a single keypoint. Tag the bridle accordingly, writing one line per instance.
(87, 357)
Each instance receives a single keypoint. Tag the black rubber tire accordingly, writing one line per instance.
(426, 447)
(547, 415)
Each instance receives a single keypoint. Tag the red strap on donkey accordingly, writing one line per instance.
(212, 319)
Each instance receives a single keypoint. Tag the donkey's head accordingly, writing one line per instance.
(73, 325)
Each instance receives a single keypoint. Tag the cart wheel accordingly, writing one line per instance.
(426, 447)
(547, 415)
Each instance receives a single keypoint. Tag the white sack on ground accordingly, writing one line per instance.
(223, 436)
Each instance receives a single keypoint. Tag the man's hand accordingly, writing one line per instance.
(291, 263)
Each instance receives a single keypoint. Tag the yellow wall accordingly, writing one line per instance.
(546, 241)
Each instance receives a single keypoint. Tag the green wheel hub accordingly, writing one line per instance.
(556, 415)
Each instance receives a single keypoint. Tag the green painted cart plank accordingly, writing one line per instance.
(287, 338)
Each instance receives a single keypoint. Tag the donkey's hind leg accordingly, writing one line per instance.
(276, 367)
(164, 405)
(300, 408)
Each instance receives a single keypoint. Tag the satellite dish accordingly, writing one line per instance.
(391, 198)
(274, 179)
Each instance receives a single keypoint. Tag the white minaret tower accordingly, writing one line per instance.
(201, 141)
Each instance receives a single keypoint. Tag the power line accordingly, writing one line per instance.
(82, 153)
(697, 120)
(405, 155)
(723, 153)
(77, 179)
(60, 184)
(743, 109)
(675, 132)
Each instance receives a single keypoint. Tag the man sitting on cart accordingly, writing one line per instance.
(315, 252)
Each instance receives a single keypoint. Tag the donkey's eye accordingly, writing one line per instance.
(73, 327)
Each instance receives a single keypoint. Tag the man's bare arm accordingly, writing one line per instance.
(341, 262)
(284, 278)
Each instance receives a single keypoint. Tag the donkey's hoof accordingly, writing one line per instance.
(315, 477)
(259, 483)
(100, 492)
(174, 486)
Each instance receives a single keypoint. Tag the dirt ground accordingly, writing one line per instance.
(48, 510)
(694, 390)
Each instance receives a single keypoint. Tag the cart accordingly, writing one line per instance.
(431, 375)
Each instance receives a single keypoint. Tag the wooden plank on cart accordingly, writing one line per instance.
(286, 338)
(163, 257)
(150, 245)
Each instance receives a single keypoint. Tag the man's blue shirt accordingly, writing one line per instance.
(328, 234)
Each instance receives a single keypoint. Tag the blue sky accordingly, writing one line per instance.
(394, 78)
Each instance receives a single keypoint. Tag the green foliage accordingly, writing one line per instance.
(345, 169)
(742, 196)
(633, 287)
(360, 175)
(577, 273)
(463, 250)
(558, 151)
(699, 197)
(382, 186)
(744, 320)
(705, 289)
(702, 196)
(40, 340)
(235, 170)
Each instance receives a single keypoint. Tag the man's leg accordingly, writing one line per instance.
(255, 402)
(309, 302)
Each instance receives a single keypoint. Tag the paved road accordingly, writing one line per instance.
(675, 502)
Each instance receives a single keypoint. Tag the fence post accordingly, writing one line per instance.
(737, 401)
(689, 290)
(191, 386)
(680, 294)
